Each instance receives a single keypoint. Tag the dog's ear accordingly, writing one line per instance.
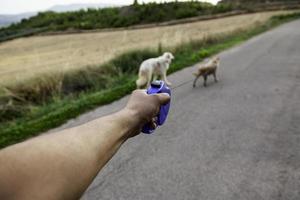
(216, 59)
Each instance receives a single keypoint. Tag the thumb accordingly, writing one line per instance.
(163, 98)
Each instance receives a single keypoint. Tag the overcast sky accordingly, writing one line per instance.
(21, 6)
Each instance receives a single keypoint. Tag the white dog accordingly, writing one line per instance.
(154, 67)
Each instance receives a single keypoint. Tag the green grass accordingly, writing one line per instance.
(56, 111)
(18, 100)
(54, 114)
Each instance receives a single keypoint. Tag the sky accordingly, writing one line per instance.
(21, 6)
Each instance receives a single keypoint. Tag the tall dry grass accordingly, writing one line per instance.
(26, 58)
(17, 99)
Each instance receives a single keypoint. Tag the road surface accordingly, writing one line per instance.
(237, 139)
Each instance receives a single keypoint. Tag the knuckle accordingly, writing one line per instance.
(156, 98)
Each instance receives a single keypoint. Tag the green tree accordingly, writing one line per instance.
(135, 2)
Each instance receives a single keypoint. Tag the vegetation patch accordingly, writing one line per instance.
(110, 17)
(29, 110)
(135, 14)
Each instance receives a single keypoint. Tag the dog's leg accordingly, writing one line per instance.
(215, 76)
(149, 78)
(205, 80)
(164, 78)
(195, 81)
(154, 77)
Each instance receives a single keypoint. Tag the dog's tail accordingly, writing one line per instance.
(142, 81)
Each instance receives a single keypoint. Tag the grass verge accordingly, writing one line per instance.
(54, 112)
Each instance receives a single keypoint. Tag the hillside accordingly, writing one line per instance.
(255, 1)
(66, 88)
(8, 19)
(91, 16)
(109, 17)
(30, 57)
(79, 6)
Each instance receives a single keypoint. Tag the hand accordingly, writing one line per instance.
(144, 108)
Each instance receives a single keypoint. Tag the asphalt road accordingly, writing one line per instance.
(237, 139)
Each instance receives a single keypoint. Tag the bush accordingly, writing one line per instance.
(185, 13)
(203, 53)
(18, 99)
(130, 62)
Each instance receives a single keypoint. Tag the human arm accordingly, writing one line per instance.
(61, 165)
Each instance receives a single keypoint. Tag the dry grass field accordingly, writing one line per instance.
(25, 58)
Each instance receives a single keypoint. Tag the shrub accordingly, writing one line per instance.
(17, 99)
(130, 62)
(203, 53)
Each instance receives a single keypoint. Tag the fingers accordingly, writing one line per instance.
(163, 98)
(142, 91)
(153, 123)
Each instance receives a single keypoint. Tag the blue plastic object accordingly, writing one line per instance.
(155, 88)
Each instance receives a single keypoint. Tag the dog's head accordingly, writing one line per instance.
(168, 56)
(216, 60)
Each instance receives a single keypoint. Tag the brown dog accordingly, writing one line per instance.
(209, 68)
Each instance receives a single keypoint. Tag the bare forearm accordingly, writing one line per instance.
(62, 165)
(65, 162)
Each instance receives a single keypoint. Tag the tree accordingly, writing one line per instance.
(135, 2)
